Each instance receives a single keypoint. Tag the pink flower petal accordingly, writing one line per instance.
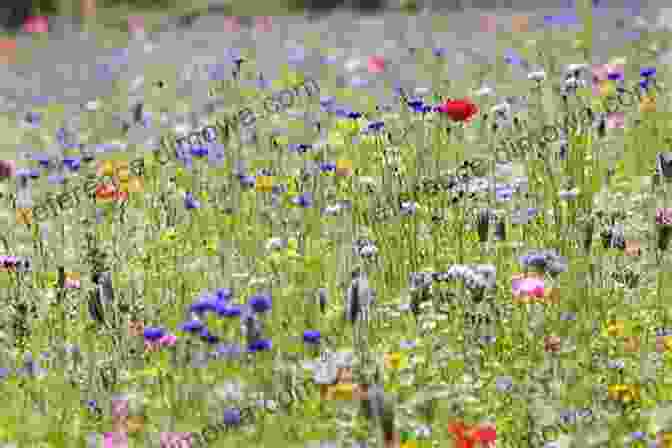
(376, 64)
(263, 23)
(115, 440)
(168, 340)
(175, 440)
(136, 24)
(36, 24)
(616, 120)
(72, 284)
(488, 24)
(231, 24)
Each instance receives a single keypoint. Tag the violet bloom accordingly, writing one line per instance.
(528, 286)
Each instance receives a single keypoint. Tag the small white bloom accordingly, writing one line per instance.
(484, 91)
(576, 67)
(353, 64)
(537, 76)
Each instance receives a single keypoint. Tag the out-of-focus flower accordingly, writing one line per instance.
(471, 437)
(376, 64)
(311, 336)
(260, 303)
(552, 344)
(36, 24)
(7, 169)
(175, 439)
(394, 361)
(231, 24)
(631, 344)
(625, 393)
(260, 345)
(263, 24)
(167, 340)
(153, 333)
(616, 120)
(504, 383)
(647, 104)
(191, 203)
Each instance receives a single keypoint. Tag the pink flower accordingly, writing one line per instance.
(488, 23)
(664, 217)
(136, 25)
(175, 440)
(117, 439)
(7, 169)
(119, 408)
(231, 24)
(263, 23)
(615, 120)
(527, 286)
(376, 64)
(72, 283)
(36, 24)
(166, 341)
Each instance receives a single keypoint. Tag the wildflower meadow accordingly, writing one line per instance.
(470, 261)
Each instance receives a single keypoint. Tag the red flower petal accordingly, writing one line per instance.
(485, 434)
(36, 24)
(459, 110)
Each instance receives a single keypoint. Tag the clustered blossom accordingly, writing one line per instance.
(474, 277)
(664, 217)
(547, 261)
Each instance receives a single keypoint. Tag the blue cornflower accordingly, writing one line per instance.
(232, 416)
(192, 326)
(638, 435)
(439, 52)
(33, 118)
(72, 163)
(327, 166)
(216, 72)
(56, 179)
(260, 303)
(615, 76)
(296, 55)
(568, 417)
(304, 200)
(199, 151)
(229, 311)
(504, 383)
(354, 115)
(311, 336)
(300, 148)
(647, 72)
(511, 58)
(503, 193)
(42, 159)
(227, 351)
(247, 181)
(644, 84)
(4, 373)
(208, 337)
(416, 105)
(190, 203)
(203, 305)
(567, 316)
(224, 294)
(260, 345)
(376, 126)
(153, 333)
(359, 82)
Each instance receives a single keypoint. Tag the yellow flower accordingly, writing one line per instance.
(394, 360)
(343, 167)
(648, 104)
(344, 391)
(264, 184)
(409, 444)
(615, 328)
(624, 392)
(607, 88)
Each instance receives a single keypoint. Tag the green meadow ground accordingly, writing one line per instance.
(161, 264)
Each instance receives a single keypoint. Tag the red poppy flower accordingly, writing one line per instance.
(459, 110)
(468, 437)
(110, 192)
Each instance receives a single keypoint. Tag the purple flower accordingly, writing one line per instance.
(327, 166)
(207, 337)
(224, 294)
(73, 163)
(153, 333)
(296, 55)
(311, 336)
(230, 311)
(203, 305)
(647, 72)
(247, 181)
(199, 151)
(260, 303)
(260, 345)
(227, 351)
(231, 416)
(304, 200)
(439, 52)
(57, 179)
(192, 326)
(190, 203)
